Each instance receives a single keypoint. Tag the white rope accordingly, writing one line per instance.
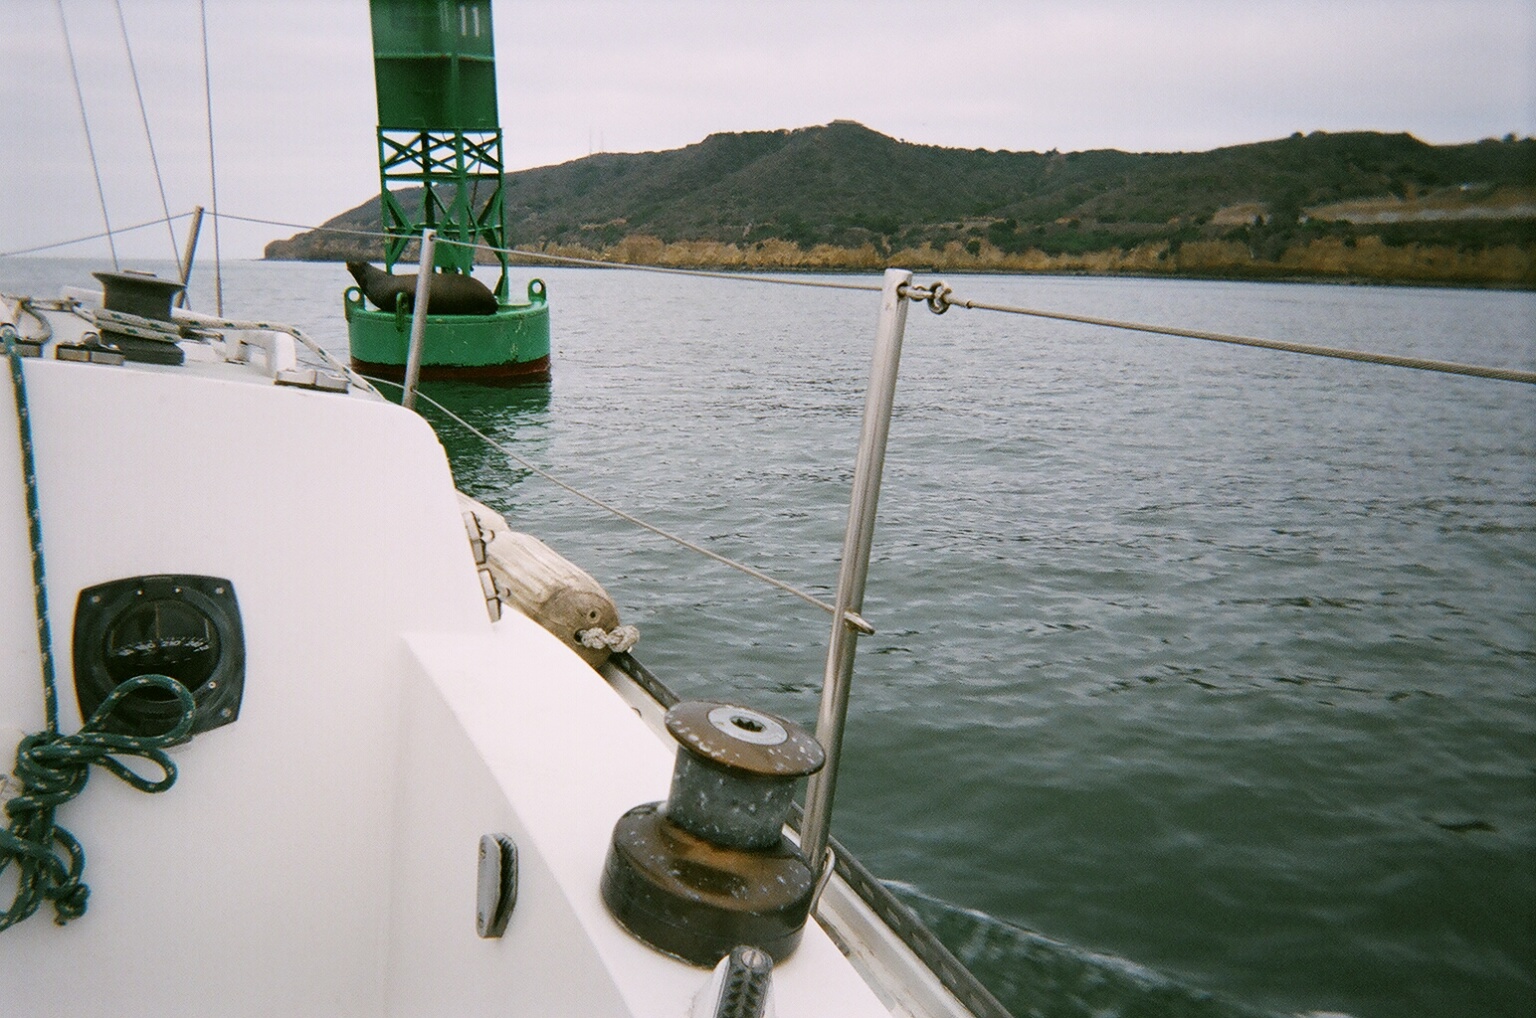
(326, 357)
(620, 639)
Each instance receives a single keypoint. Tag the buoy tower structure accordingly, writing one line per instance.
(440, 168)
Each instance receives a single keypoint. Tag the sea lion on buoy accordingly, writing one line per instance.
(448, 293)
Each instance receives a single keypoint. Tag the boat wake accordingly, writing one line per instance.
(1033, 975)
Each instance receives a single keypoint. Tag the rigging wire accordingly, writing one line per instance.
(595, 263)
(341, 230)
(666, 270)
(939, 297)
(853, 619)
(138, 91)
(93, 236)
(74, 73)
(213, 176)
(940, 300)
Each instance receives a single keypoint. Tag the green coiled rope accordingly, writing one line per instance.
(53, 768)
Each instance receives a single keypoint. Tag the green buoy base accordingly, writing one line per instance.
(511, 345)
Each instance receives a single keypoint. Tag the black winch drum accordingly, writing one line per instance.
(711, 868)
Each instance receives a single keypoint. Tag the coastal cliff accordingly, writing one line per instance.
(842, 197)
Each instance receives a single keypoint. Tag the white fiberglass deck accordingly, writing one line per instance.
(318, 856)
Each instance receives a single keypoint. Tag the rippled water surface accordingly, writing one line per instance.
(1205, 679)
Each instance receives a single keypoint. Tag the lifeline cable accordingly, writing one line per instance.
(939, 300)
(854, 620)
(92, 236)
(597, 263)
(594, 263)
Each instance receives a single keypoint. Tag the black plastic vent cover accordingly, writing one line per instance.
(187, 627)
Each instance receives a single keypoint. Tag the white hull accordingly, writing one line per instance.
(317, 856)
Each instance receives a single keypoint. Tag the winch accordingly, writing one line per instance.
(135, 318)
(710, 868)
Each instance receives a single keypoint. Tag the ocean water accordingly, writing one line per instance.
(1205, 678)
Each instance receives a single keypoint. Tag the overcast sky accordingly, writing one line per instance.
(294, 116)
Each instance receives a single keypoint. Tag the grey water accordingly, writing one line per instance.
(1205, 677)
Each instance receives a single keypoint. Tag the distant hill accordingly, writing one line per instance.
(1365, 204)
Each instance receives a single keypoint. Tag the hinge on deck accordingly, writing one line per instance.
(312, 378)
(88, 352)
(495, 595)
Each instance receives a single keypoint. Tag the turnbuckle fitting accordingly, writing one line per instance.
(936, 295)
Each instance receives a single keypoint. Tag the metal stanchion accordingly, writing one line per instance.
(418, 319)
(855, 565)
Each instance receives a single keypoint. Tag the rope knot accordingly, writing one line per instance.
(619, 640)
(53, 769)
(69, 900)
